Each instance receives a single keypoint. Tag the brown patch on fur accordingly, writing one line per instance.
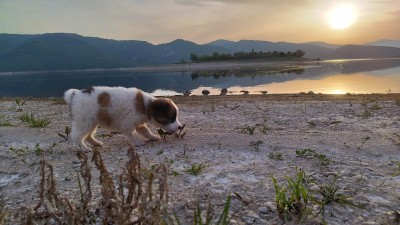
(104, 99)
(139, 102)
(163, 111)
(103, 117)
(88, 90)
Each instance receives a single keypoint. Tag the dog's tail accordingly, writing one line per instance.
(69, 95)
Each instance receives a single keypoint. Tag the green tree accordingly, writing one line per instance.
(299, 53)
(194, 57)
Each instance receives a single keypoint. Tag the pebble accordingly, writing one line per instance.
(271, 206)
(249, 220)
(314, 188)
(263, 210)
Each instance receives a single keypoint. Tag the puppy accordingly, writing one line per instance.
(126, 110)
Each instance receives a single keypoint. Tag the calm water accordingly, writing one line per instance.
(329, 77)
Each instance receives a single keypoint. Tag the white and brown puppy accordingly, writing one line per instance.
(126, 110)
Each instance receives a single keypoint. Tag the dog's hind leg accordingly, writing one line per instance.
(92, 140)
(79, 133)
(145, 132)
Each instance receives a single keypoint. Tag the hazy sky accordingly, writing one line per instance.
(202, 21)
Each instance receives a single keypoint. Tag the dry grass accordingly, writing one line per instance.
(139, 198)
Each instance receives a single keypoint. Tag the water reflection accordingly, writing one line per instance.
(354, 76)
(253, 72)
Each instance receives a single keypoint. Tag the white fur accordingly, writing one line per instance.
(125, 117)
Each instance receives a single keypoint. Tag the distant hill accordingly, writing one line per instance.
(323, 44)
(385, 42)
(360, 51)
(63, 51)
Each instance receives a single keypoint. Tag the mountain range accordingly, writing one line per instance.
(63, 51)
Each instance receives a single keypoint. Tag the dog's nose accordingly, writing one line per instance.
(180, 127)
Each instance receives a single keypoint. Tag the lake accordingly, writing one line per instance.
(328, 77)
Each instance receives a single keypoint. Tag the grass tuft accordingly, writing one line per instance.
(276, 155)
(329, 194)
(292, 198)
(196, 169)
(33, 122)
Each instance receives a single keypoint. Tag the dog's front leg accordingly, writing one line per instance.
(145, 132)
(134, 139)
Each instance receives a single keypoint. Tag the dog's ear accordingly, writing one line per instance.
(162, 110)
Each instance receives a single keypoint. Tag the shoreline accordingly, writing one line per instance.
(185, 67)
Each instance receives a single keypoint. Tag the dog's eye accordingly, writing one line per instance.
(172, 119)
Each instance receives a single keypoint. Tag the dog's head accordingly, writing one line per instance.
(164, 113)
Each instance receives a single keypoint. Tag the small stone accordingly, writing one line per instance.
(314, 188)
(224, 91)
(249, 220)
(271, 206)
(345, 173)
(205, 92)
(263, 210)
(233, 222)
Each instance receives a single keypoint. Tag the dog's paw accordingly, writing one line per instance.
(97, 143)
(154, 138)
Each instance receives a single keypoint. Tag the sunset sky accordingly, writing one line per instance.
(161, 21)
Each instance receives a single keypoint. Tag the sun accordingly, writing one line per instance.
(341, 17)
(338, 92)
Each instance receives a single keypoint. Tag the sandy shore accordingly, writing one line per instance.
(242, 141)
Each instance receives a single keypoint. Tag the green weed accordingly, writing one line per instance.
(33, 122)
(276, 155)
(329, 194)
(263, 128)
(198, 219)
(175, 173)
(323, 160)
(196, 169)
(397, 172)
(5, 124)
(292, 198)
(249, 129)
(20, 104)
(305, 152)
(38, 150)
(19, 151)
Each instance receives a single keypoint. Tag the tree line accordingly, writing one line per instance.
(245, 55)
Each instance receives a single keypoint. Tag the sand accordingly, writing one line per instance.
(241, 141)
